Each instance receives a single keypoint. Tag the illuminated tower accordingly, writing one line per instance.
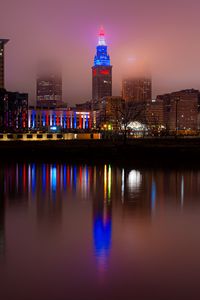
(101, 71)
(2, 43)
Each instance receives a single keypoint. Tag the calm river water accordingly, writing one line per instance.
(106, 231)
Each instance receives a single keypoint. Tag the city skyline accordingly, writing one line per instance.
(100, 147)
(163, 35)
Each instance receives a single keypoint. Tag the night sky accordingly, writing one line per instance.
(163, 35)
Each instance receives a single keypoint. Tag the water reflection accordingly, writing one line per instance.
(153, 195)
(23, 182)
(2, 217)
(134, 180)
(102, 234)
(45, 188)
(55, 178)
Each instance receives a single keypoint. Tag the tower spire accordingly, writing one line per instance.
(102, 41)
(101, 71)
(101, 58)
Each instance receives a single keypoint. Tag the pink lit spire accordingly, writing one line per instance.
(102, 41)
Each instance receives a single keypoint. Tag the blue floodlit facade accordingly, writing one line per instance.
(58, 119)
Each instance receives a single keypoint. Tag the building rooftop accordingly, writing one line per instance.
(4, 41)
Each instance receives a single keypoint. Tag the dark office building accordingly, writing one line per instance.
(101, 72)
(137, 89)
(175, 111)
(2, 57)
(109, 112)
(181, 110)
(13, 111)
(49, 87)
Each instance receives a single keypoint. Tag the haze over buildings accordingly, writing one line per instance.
(137, 89)
(163, 34)
(49, 85)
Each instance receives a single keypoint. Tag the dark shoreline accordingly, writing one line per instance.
(149, 152)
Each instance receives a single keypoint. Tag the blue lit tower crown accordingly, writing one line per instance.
(102, 70)
(102, 58)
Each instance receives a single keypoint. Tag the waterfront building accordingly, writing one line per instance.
(58, 119)
(175, 111)
(2, 59)
(101, 72)
(154, 113)
(181, 110)
(49, 87)
(137, 89)
(110, 111)
(13, 111)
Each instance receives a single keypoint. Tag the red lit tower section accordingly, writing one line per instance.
(101, 82)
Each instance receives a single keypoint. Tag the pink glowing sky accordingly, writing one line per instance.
(163, 34)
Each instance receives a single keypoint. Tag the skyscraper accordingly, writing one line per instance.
(137, 89)
(49, 86)
(2, 57)
(101, 71)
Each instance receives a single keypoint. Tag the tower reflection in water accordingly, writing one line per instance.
(102, 235)
(125, 193)
(102, 221)
(47, 186)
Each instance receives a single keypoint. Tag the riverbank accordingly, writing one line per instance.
(148, 150)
